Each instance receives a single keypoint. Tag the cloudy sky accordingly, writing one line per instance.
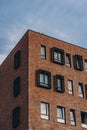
(62, 19)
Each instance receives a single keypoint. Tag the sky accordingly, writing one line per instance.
(62, 19)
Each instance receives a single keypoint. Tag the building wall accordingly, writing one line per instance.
(7, 76)
(37, 94)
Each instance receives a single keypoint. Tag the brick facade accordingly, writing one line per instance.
(31, 95)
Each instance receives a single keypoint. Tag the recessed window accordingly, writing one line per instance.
(58, 56)
(81, 91)
(15, 117)
(61, 114)
(72, 117)
(59, 85)
(78, 62)
(16, 87)
(70, 87)
(68, 60)
(17, 58)
(85, 65)
(44, 110)
(44, 79)
(43, 52)
(84, 119)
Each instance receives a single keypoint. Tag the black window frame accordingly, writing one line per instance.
(16, 87)
(72, 91)
(57, 50)
(63, 114)
(74, 120)
(78, 60)
(17, 59)
(43, 56)
(58, 88)
(82, 90)
(69, 59)
(47, 111)
(16, 117)
(43, 72)
(83, 115)
(85, 62)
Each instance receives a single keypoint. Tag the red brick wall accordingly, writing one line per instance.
(7, 77)
(37, 94)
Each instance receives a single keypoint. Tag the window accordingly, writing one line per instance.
(81, 91)
(78, 62)
(86, 91)
(17, 59)
(84, 119)
(72, 117)
(44, 79)
(61, 114)
(85, 65)
(59, 86)
(70, 87)
(43, 52)
(68, 60)
(58, 56)
(16, 87)
(15, 117)
(44, 110)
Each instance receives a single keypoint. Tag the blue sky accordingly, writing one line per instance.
(62, 19)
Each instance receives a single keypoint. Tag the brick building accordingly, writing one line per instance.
(43, 85)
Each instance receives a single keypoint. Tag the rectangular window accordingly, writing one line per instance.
(68, 60)
(81, 91)
(84, 119)
(61, 114)
(44, 79)
(72, 117)
(78, 62)
(17, 58)
(15, 117)
(85, 65)
(45, 110)
(86, 91)
(16, 87)
(43, 52)
(70, 87)
(58, 56)
(59, 85)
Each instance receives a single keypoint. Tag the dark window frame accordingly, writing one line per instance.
(16, 87)
(78, 62)
(69, 59)
(60, 51)
(85, 62)
(47, 110)
(83, 115)
(74, 120)
(40, 84)
(58, 88)
(16, 117)
(17, 59)
(43, 56)
(82, 89)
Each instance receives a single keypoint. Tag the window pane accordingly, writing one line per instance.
(71, 115)
(55, 56)
(41, 78)
(59, 83)
(43, 108)
(60, 113)
(59, 56)
(43, 52)
(46, 79)
(81, 92)
(85, 65)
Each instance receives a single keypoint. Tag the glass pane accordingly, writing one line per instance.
(41, 78)
(59, 56)
(80, 88)
(42, 50)
(69, 85)
(85, 65)
(71, 115)
(46, 79)
(60, 113)
(55, 56)
(43, 108)
(59, 83)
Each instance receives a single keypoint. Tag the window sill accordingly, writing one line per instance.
(61, 121)
(84, 125)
